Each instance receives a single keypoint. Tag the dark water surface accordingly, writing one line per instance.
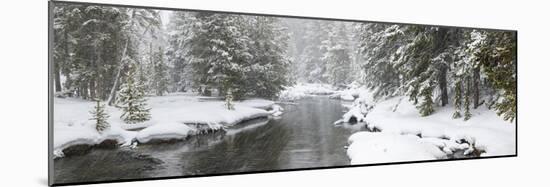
(303, 137)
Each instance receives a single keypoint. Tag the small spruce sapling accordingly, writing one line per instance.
(100, 116)
(426, 107)
(229, 100)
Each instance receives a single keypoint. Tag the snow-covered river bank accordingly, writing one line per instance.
(302, 137)
(175, 116)
(320, 127)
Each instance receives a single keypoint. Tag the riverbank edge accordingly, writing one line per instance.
(79, 147)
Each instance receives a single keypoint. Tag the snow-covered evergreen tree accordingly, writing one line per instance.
(464, 66)
(100, 116)
(132, 100)
(296, 45)
(180, 31)
(66, 22)
(311, 56)
(424, 63)
(219, 52)
(377, 45)
(498, 58)
(160, 73)
(138, 23)
(269, 64)
(229, 100)
(337, 56)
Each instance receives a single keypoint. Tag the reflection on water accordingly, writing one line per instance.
(303, 137)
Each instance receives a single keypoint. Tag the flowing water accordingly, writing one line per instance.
(303, 137)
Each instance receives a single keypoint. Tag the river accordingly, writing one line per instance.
(303, 137)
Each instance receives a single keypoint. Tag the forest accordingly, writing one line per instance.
(99, 50)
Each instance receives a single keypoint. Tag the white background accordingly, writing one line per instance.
(23, 94)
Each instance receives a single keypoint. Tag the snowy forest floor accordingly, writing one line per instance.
(174, 116)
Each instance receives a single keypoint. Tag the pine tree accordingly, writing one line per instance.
(426, 106)
(423, 64)
(90, 35)
(65, 24)
(498, 58)
(418, 70)
(296, 47)
(337, 57)
(464, 66)
(269, 65)
(180, 32)
(137, 24)
(314, 66)
(229, 100)
(379, 45)
(160, 73)
(131, 99)
(94, 41)
(219, 52)
(100, 116)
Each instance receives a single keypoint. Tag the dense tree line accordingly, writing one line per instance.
(95, 47)
(246, 55)
(115, 53)
(324, 51)
(432, 64)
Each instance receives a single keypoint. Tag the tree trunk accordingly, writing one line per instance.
(57, 77)
(83, 91)
(476, 87)
(443, 85)
(112, 95)
(68, 59)
(98, 86)
(92, 87)
(57, 66)
(206, 91)
(439, 46)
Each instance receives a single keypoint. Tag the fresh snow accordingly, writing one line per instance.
(72, 124)
(164, 132)
(174, 116)
(369, 148)
(276, 110)
(399, 119)
(299, 91)
(258, 103)
(302, 90)
(182, 108)
(358, 111)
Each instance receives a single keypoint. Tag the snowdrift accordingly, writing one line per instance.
(368, 148)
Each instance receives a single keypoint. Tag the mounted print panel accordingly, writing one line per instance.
(151, 93)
